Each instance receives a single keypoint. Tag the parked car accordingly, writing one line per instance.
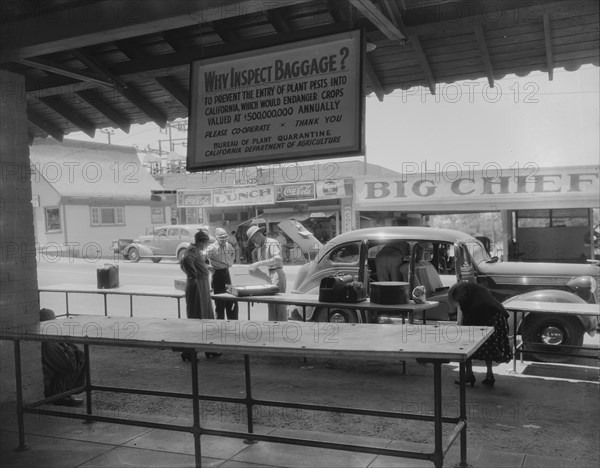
(448, 256)
(162, 242)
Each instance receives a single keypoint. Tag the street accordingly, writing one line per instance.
(146, 273)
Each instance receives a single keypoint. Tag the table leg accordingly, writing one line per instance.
(19, 384)
(249, 405)
(131, 305)
(438, 457)
(105, 305)
(248, 304)
(515, 342)
(88, 382)
(463, 415)
(178, 307)
(67, 303)
(196, 408)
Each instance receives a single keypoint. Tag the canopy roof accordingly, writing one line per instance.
(91, 64)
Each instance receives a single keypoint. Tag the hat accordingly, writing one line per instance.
(253, 230)
(47, 314)
(221, 234)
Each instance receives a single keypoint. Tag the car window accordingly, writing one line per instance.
(161, 232)
(185, 232)
(173, 232)
(347, 254)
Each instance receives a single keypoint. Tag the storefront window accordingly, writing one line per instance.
(53, 223)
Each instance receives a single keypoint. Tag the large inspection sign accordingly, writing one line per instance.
(284, 103)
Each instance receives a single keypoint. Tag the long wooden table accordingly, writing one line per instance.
(312, 300)
(537, 307)
(437, 344)
(131, 291)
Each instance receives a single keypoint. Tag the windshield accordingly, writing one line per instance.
(478, 252)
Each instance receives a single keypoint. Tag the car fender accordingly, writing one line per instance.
(144, 250)
(182, 245)
(589, 323)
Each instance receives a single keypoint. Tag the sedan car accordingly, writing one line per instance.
(436, 259)
(162, 242)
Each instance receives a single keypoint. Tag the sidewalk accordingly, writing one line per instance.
(66, 443)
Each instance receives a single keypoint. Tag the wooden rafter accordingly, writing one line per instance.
(171, 86)
(93, 99)
(548, 41)
(277, 19)
(374, 80)
(423, 62)
(48, 66)
(125, 89)
(395, 15)
(168, 83)
(379, 20)
(43, 124)
(69, 114)
(485, 55)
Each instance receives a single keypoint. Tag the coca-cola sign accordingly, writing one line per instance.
(194, 198)
(295, 192)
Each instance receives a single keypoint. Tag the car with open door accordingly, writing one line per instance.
(438, 258)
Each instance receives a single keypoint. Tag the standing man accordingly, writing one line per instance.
(269, 255)
(221, 256)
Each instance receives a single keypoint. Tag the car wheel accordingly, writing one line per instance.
(552, 332)
(134, 255)
(156, 259)
(336, 315)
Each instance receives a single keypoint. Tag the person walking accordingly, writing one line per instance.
(476, 306)
(221, 255)
(197, 288)
(268, 252)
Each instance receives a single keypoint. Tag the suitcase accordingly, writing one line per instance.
(258, 290)
(108, 276)
(389, 292)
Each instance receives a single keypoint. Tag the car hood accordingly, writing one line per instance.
(308, 243)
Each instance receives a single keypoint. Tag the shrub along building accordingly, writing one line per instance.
(87, 194)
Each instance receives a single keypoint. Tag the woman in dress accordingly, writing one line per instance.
(478, 307)
(197, 289)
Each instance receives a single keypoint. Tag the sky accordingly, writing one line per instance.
(528, 120)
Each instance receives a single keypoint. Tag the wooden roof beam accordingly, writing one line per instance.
(423, 62)
(368, 9)
(374, 80)
(115, 20)
(126, 90)
(48, 66)
(43, 124)
(549, 52)
(277, 19)
(93, 99)
(168, 83)
(69, 114)
(485, 55)
(171, 86)
(394, 13)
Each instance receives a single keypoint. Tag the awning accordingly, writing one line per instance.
(316, 214)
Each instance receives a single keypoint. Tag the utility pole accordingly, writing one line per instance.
(109, 132)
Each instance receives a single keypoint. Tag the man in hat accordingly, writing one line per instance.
(269, 255)
(221, 256)
(63, 365)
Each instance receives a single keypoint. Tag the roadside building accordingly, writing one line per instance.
(317, 194)
(87, 194)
